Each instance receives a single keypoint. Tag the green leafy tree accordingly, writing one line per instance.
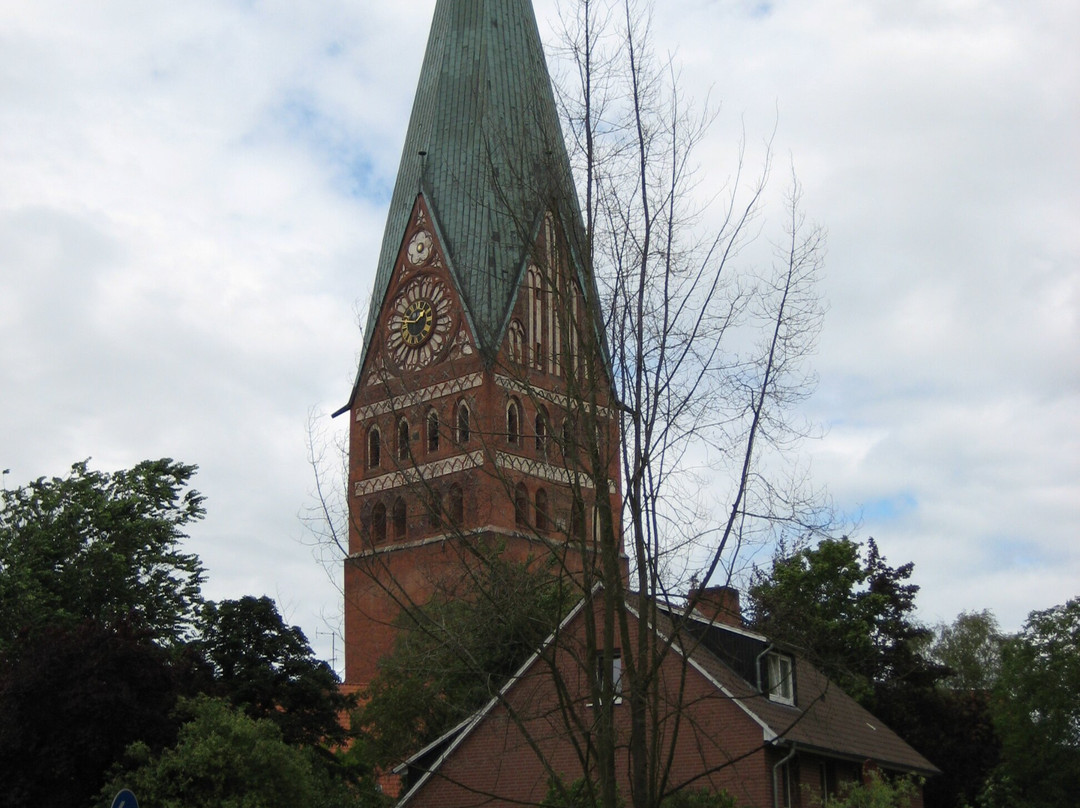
(103, 547)
(852, 612)
(875, 791)
(1037, 712)
(267, 669)
(450, 657)
(225, 759)
(970, 647)
(72, 701)
(699, 798)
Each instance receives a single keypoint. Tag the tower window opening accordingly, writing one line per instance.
(456, 505)
(374, 448)
(378, 523)
(541, 431)
(433, 431)
(463, 427)
(399, 519)
(541, 509)
(435, 510)
(577, 520)
(513, 422)
(521, 505)
(517, 342)
(403, 440)
(537, 315)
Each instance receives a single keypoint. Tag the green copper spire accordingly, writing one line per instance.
(485, 147)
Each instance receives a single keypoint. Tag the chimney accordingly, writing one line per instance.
(718, 604)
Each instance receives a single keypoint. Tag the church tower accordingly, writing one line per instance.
(482, 418)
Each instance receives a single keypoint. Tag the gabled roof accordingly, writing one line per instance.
(824, 720)
(485, 147)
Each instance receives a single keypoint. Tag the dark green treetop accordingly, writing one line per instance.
(102, 547)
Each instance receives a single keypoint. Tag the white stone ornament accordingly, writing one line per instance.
(420, 248)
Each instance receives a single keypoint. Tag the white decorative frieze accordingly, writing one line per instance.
(411, 476)
(530, 391)
(546, 471)
(398, 403)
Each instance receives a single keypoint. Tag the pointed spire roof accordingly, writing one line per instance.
(485, 147)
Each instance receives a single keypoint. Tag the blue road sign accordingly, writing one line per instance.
(125, 799)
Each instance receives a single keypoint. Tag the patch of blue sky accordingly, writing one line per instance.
(334, 144)
(1017, 554)
(887, 509)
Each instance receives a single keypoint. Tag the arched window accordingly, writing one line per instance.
(399, 519)
(577, 519)
(537, 311)
(568, 438)
(456, 505)
(378, 523)
(541, 427)
(434, 509)
(516, 338)
(521, 505)
(433, 431)
(541, 509)
(513, 422)
(462, 425)
(403, 439)
(374, 448)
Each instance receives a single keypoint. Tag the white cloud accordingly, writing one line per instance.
(192, 197)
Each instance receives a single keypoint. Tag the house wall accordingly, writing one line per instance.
(814, 777)
(507, 758)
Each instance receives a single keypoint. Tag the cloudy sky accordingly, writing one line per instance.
(192, 197)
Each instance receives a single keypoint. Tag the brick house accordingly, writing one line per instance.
(754, 718)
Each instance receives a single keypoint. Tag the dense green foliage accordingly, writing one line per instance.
(102, 547)
(581, 793)
(225, 759)
(103, 630)
(71, 701)
(450, 657)
(266, 668)
(875, 792)
(1037, 712)
(970, 648)
(848, 609)
(698, 798)
(854, 615)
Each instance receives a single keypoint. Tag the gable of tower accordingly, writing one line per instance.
(423, 328)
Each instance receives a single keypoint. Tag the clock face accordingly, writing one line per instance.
(420, 323)
(420, 248)
(417, 322)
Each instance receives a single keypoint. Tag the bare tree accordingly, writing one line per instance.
(707, 353)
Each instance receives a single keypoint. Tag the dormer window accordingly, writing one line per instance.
(610, 666)
(780, 673)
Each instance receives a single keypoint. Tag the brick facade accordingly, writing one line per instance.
(451, 450)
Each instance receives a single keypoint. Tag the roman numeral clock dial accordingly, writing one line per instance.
(419, 323)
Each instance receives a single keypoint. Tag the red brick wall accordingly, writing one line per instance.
(377, 583)
(503, 760)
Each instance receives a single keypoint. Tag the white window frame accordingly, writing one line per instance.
(780, 675)
(616, 675)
